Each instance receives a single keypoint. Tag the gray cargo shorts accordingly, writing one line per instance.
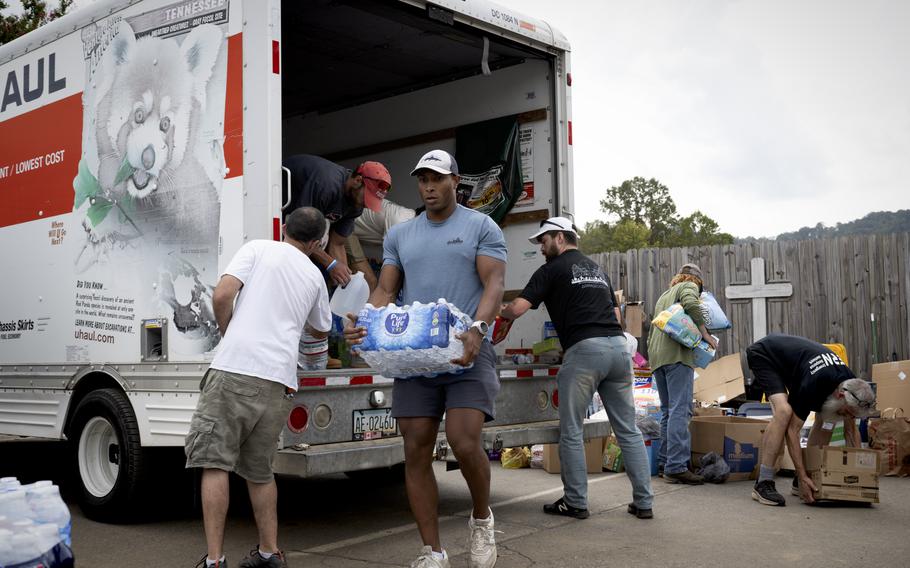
(236, 424)
(431, 397)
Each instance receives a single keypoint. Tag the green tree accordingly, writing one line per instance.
(34, 14)
(648, 202)
(697, 230)
(597, 236)
(629, 234)
(647, 218)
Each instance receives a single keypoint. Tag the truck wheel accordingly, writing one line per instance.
(109, 456)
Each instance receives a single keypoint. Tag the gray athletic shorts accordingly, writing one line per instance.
(236, 424)
(431, 397)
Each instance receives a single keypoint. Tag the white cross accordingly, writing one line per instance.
(758, 291)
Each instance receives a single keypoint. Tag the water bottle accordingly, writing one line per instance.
(14, 507)
(6, 551)
(8, 484)
(48, 507)
(24, 547)
(313, 353)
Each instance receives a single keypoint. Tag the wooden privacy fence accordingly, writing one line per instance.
(853, 290)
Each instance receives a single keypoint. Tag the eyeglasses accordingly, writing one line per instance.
(864, 404)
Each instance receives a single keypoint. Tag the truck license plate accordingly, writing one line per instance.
(373, 423)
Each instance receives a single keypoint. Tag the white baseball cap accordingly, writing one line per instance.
(554, 224)
(439, 161)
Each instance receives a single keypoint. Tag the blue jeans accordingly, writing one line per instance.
(674, 385)
(599, 364)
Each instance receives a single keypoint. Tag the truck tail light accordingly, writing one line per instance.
(298, 419)
(322, 416)
(555, 398)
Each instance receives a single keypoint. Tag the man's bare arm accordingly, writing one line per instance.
(223, 300)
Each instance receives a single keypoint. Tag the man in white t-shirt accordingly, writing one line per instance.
(246, 394)
(370, 229)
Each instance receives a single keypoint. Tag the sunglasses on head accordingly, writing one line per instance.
(557, 225)
(380, 183)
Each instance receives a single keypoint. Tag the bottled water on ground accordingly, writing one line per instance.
(48, 507)
(415, 340)
(34, 526)
(8, 484)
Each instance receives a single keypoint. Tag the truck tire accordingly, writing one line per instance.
(109, 459)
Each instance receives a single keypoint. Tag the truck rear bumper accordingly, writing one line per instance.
(324, 459)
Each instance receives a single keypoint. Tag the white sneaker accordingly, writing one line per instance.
(427, 560)
(482, 542)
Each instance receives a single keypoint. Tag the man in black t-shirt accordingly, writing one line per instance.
(800, 376)
(582, 304)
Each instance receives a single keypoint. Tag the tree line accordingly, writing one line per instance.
(647, 218)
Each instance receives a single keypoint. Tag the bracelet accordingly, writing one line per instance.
(331, 265)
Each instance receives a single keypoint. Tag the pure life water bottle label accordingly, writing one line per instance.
(416, 340)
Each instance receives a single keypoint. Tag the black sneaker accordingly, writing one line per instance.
(765, 492)
(217, 564)
(794, 489)
(640, 513)
(685, 477)
(255, 560)
(562, 508)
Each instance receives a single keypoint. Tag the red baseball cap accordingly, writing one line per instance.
(376, 184)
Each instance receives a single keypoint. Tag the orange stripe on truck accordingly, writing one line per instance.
(39, 157)
(233, 108)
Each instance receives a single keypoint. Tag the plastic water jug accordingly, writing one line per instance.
(350, 299)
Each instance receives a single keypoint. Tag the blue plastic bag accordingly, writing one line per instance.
(715, 318)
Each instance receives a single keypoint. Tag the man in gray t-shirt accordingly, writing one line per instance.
(458, 254)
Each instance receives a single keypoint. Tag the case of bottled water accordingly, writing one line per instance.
(414, 340)
(34, 526)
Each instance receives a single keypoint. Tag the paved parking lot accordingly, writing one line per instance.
(340, 522)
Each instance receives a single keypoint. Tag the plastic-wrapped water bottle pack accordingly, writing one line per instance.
(34, 526)
(414, 340)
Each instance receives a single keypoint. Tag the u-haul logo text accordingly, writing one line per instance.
(31, 81)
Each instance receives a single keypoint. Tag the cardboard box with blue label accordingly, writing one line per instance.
(736, 439)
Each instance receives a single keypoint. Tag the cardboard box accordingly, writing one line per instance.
(620, 299)
(721, 381)
(736, 439)
(709, 411)
(634, 316)
(843, 474)
(594, 456)
(892, 382)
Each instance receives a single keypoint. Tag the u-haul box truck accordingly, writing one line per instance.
(141, 144)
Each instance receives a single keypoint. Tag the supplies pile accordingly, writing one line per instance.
(414, 340)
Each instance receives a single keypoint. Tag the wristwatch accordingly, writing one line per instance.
(481, 326)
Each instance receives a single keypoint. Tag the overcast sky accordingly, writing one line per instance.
(767, 115)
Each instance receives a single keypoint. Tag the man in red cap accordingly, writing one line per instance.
(341, 195)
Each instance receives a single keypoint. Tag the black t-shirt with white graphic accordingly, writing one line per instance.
(578, 296)
(810, 371)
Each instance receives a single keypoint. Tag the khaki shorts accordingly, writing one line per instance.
(236, 424)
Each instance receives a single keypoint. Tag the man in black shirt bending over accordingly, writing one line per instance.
(800, 376)
(582, 304)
